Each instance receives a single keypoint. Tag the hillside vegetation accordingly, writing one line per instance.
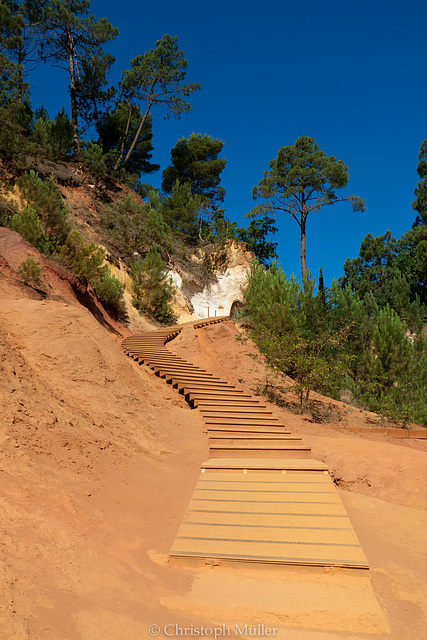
(361, 339)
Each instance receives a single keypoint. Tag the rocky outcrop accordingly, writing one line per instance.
(219, 276)
(206, 285)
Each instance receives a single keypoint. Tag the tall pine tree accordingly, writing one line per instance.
(70, 36)
(420, 203)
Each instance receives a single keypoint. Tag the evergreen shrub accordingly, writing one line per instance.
(30, 271)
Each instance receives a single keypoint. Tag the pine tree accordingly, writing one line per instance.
(46, 199)
(420, 204)
(93, 93)
(117, 130)
(180, 212)
(155, 77)
(391, 351)
(302, 179)
(17, 51)
(195, 162)
(153, 290)
(70, 36)
(321, 291)
(255, 236)
(271, 301)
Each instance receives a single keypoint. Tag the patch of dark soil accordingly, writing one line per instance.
(351, 485)
(65, 174)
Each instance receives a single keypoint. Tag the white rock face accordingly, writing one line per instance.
(216, 299)
(194, 300)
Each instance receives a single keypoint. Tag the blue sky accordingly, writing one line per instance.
(351, 74)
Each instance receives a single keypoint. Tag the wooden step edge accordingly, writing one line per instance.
(266, 464)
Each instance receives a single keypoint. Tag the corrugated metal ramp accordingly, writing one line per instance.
(270, 517)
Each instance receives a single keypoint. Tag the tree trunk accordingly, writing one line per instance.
(97, 124)
(122, 146)
(73, 96)
(20, 76)
(302, 250)
(138, 133)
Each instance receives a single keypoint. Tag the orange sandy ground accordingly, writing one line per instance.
(99, 458)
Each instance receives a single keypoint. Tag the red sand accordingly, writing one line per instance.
(99, 458)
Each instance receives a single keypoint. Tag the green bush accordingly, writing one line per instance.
(391, 352)
(153, 291)
(28, 224)
(135, 227)
(51, 138)
(109, 290)
(272, 301)
(46, 199)
(94, 160)
(86, 261)
(179, 210)
(62, 134)
(41, 138)
(30, 271)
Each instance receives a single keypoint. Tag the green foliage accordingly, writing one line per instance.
(255, 237)
(16, 51)
(321, 291)
(93, 93)
(335, 341)
(271, 300)
(109, 290)
(392, 271)
(153, 290)
(217, 228)
(156, 77)
(61, 134)
(283, 320)
(391, 351)
(70, 35)
(94, 160)
(86, 261)
(46, 199)
(13, 136)
(412, 261)
(345, 309)
(135, 227)
(302, 179)
(420, 203)
(30, 271)
(51, 138)
(405, 400)
(315, 362)
(41, 137)
(28, 224)
(117, 130)
(195, 162)
(192, 221)
(124, 223)
(180, 212)
(371, 270)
